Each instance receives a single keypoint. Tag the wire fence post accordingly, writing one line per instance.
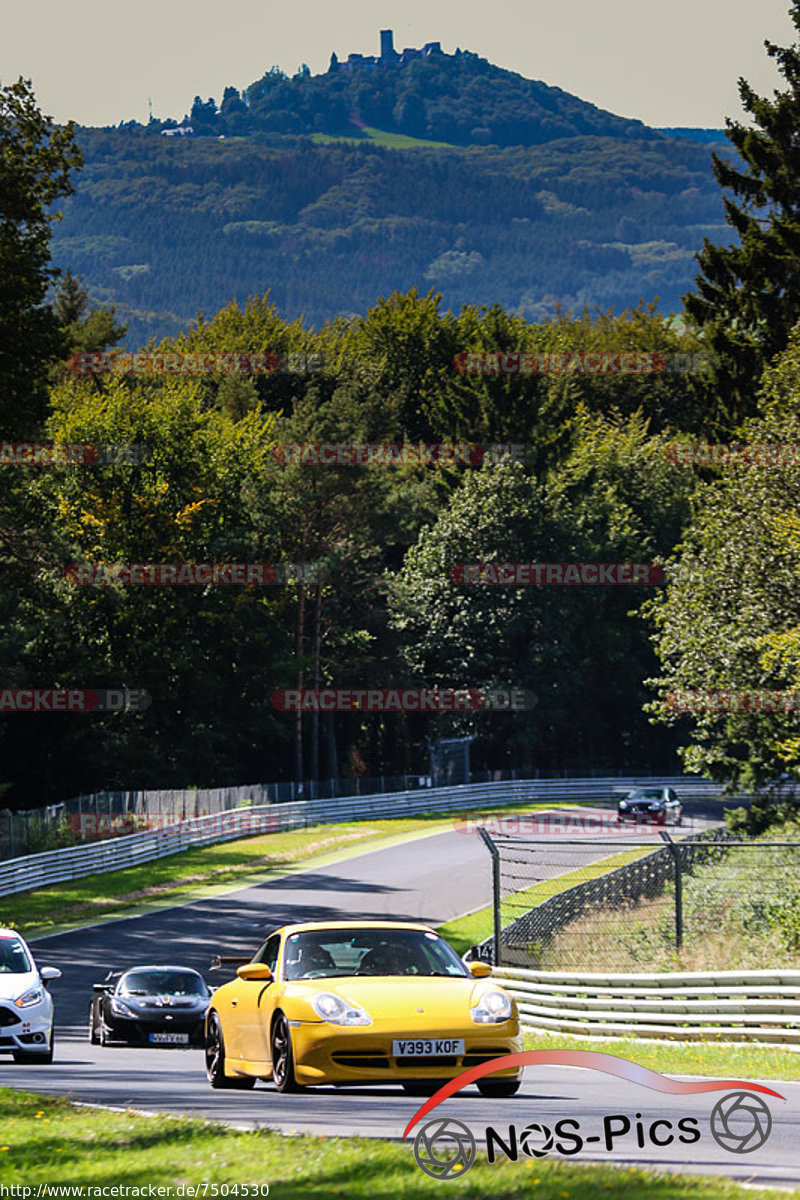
(495, 853)
(676, 857)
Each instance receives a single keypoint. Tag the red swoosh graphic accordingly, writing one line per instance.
(611, 1064)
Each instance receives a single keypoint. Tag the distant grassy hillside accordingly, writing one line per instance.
(395, 141)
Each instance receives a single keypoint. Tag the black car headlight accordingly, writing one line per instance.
(121, 1009)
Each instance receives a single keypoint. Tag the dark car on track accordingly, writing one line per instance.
(155, 1005)
(659, 805)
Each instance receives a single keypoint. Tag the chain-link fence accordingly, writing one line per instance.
(705, 900)
(34, 830)
(109, 814)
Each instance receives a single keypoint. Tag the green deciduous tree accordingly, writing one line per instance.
(203, 653)
(615, 498)
(730, 617)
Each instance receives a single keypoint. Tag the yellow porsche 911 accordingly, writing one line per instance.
(338, 1002)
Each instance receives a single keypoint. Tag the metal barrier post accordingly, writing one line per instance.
(495, 853)
(676, 857)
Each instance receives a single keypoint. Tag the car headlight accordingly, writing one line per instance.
(492, 1008)
(623, 803)
(655, 808)
(34, 996)
(120, 1008)
(333, 1008)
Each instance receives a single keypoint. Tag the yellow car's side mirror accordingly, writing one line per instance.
(479, 969)
(258, 971)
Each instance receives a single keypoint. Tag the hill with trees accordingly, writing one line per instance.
(461, 99)
(326, 191)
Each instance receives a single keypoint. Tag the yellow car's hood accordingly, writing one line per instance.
(401, 996)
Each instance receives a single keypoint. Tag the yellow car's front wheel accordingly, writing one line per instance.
(215, 1059)
(282, 1056)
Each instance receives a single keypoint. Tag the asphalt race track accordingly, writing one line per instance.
(174, 1081)
(430, 879)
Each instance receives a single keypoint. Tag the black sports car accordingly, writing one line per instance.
(658, 805)
(151, 1005)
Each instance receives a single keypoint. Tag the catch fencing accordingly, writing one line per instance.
(737, 1006)
(114, 853)
(708, 900)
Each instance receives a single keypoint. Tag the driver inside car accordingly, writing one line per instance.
(389, 959)
(311, 959)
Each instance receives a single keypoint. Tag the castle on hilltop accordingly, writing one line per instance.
(387, 56)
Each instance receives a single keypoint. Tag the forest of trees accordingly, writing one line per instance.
(163, 227)
(602, 484)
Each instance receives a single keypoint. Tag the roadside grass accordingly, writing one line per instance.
(47, 1140)
(466, 931)
(641, 938)
(176, 877)
(672, 1057)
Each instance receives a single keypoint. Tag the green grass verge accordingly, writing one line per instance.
(178, 877)
(48, 1141)
(728, 1061)
(466, 931)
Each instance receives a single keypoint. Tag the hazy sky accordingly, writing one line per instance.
(667, 63)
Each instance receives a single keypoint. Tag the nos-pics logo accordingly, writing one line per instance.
(445, 1148)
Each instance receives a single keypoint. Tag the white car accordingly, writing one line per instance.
(26, 1006)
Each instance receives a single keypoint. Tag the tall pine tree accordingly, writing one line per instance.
(747, 297)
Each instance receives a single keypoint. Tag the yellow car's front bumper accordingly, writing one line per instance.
(326, 1053)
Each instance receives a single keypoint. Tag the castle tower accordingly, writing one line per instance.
(387, 45)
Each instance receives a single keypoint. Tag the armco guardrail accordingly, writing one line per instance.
(55, 866)
(735, 1006)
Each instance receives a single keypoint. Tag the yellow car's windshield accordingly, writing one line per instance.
(322, 954)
